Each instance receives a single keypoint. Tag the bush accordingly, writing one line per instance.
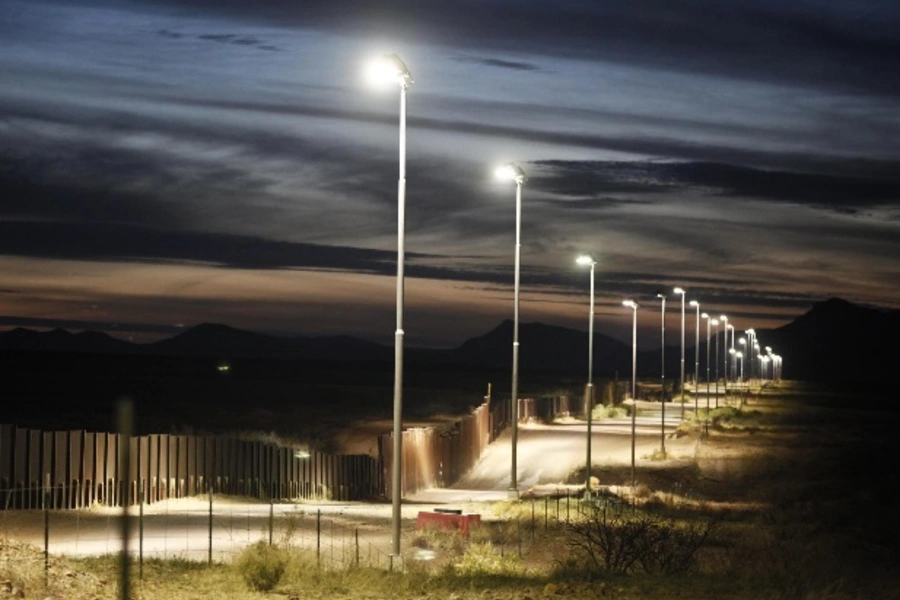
(613, 542)
(261, 566)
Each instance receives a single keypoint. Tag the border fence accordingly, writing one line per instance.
(78, 468)
(435, 457)
(75, 469)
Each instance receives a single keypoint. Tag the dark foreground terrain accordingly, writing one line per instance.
(793, 495)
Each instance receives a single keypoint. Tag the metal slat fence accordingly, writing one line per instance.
(438, 457)
(77, 469)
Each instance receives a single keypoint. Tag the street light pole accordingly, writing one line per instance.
(587, 260)
(724, 321)
(513, 172)
(390, 68)
(634, 306)
(706, 427)
(662, 428)
(715, 323)
(696, 305)
(731, 351)
(681, 291)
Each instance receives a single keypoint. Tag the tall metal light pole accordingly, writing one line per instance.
(748, 352)
(681, 291)
(511, 171)
(724, 321)
(706, 426)
(715, 323)
(587, 260)
(390, 68)
(731, 350)
(696, 305)
(634, 306)
(662, 428)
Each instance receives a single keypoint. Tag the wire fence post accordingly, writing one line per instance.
(141, 530)
(356, 543)
(557, 506)
(532, 521)
(209, 553)
(546, 516)
(271, 517)
(46, 529)
(519, 535)
(318, 538)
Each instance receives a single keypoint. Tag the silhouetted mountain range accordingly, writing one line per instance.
(834, 341)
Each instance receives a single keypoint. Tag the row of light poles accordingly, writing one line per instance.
(390, 68)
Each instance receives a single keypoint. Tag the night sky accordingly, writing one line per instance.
(167, 163)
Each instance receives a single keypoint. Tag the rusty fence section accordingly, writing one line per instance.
(75, 469)
(435, 457)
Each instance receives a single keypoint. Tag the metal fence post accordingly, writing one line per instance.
(46, 529)
(271, 518)
(318, 537)
(532, 521)
(142, 491)
(209, 554)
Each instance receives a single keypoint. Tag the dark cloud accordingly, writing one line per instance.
(124, 243)
(841, 45)
(847, 194)
(173, 35)
(76, 188)
(240, 40)
(840, 193)
(500, 63)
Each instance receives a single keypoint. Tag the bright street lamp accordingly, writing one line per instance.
(389, 68)
(662, 428)
(634, 306)
(708, 321)
(587, 260)
(511, 171)
(696, 305)
(681, 291)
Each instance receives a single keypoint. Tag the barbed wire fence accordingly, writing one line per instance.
(215, 529)
(203, 529)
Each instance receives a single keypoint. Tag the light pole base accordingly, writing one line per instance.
(396, 562)
(512, 494)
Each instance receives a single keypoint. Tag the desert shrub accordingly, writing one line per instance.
(261, 566)
(613, 541)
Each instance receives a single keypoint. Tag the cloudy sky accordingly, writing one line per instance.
(169, 162)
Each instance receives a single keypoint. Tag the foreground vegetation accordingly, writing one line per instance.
(789, 497)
